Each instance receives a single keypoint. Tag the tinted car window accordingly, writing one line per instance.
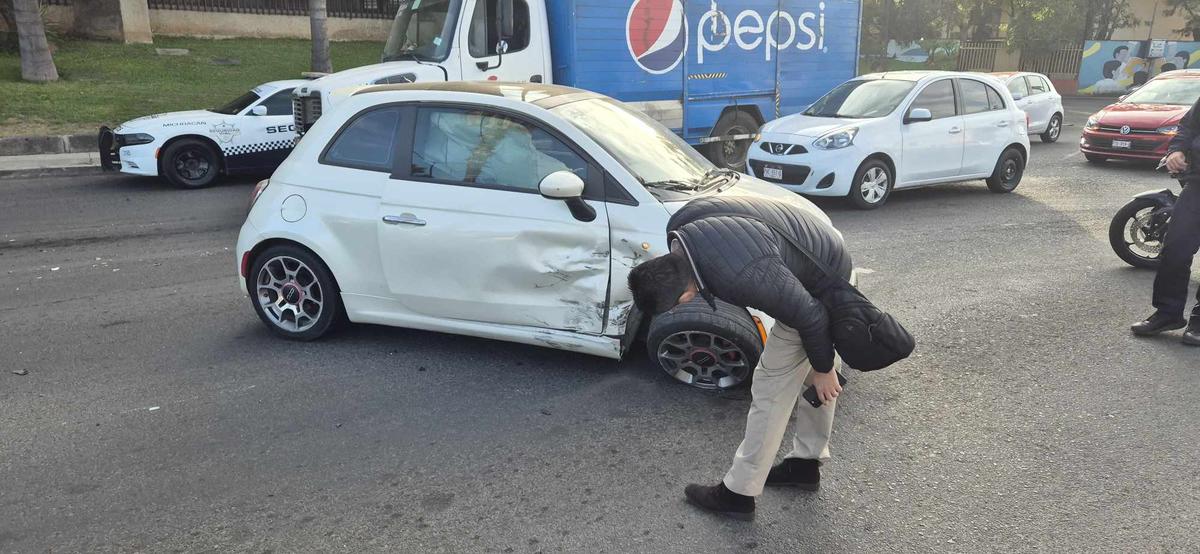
(995, 101)
(279, 103)
(938, 98)
(367, 142)
(1036, 85)
(490, 150)
(1017, 86)
(975, 98)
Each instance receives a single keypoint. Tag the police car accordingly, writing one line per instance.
(252, 134)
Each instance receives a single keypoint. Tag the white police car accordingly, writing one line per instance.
(252, 134)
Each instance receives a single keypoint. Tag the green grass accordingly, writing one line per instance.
(108, 82)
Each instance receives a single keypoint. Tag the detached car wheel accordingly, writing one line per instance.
(293, 293)
(703, 348)
(190, 163)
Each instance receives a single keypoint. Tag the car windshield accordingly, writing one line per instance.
(861, 99)
(658, 158)
(1183, 92)
(422, 30)
(238, 104)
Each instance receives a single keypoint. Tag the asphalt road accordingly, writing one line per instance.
(159, 415)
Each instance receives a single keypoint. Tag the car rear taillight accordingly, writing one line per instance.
(258, 190)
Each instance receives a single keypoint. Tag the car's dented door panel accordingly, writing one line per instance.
(495, 256)
(638, 234)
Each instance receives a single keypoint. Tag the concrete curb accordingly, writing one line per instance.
(41, 165)
(53, 144)
(13, 174)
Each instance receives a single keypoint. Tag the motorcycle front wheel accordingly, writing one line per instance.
(1134, 236)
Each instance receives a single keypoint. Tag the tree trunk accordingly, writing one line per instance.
(320, 37)
(36, 63)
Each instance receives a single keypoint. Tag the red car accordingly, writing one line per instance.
(1141, 123)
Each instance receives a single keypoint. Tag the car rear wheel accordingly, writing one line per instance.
(872, 185)
(1009, 169)
(706, 349)
(1053, 129)
(293, 293)
(191, 163)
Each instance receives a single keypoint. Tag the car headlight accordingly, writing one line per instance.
(1092, 123)
(136, 139)
(837, 139)
(1168, 130)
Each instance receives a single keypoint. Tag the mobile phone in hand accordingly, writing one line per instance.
(810, 394)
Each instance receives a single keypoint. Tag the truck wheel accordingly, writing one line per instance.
(732, 154)
(706, 349)
(190, 163)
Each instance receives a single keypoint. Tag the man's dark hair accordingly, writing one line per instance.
(657, 284)
(1110, 68)
(1118, 50)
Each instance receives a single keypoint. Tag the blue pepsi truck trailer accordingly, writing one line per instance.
(711, 70)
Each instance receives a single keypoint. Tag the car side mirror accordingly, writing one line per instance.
(568, 187)
(919, 114)
(258, 110)
(505, 13)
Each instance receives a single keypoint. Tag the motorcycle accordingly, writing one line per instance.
(1138, 229)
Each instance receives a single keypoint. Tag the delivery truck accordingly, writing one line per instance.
(712, 71)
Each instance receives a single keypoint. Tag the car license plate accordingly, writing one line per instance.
(772, 172)
(1122, 144)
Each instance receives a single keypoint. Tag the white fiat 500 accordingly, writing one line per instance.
(504, 211)
(1037, 97)
(252, 134)
(896, 130)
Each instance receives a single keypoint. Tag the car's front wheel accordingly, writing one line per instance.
(872, 185)
(293, 292)
(703, 348)
(1053, 129)
(190, 163)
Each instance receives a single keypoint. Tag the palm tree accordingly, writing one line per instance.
(36, 63)
(320, 38)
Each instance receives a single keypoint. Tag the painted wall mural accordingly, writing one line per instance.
(1113, 67)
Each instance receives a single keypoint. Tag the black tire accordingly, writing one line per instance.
(1116, 234)
(1094, 159)
(1053, 129)
(862, 194)
(191, 163)
(1009, 169)
(312, 325)
(732, 154)
(719, 350)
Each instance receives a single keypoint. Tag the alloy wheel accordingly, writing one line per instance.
(290, 294)
(191, 164)
(703, 360)
(1055, 128)
(1137, 237)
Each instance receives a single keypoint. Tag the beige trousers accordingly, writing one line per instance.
(782, 375)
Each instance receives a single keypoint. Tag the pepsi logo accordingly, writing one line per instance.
(657, 34)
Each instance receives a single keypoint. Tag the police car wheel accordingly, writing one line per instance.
(190, 163)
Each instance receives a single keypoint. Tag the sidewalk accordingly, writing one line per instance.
(35, 165)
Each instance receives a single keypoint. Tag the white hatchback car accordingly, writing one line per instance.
(1037, 97)
(895, 130)
(504, 211)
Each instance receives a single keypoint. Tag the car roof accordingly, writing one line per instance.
(533, 93)
(909, 75)
(271, 87)
(1179, 74)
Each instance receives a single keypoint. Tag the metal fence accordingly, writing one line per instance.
(1059, 63)
(368, 9)
(56, 2)
(978, 55)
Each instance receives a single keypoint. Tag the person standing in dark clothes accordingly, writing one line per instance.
(1181, 243)
(731, 249)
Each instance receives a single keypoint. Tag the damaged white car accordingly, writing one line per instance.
(252, 134)
(505, 211)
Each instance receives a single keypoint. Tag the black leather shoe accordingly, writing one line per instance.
(1191, 336)
(796, 472)
(720, 500)
(1158, 323)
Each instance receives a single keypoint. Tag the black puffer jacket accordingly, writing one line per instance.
(744, 262)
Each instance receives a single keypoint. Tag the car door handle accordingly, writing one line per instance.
(404, 219)
(955, 130)
(1002, 124)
